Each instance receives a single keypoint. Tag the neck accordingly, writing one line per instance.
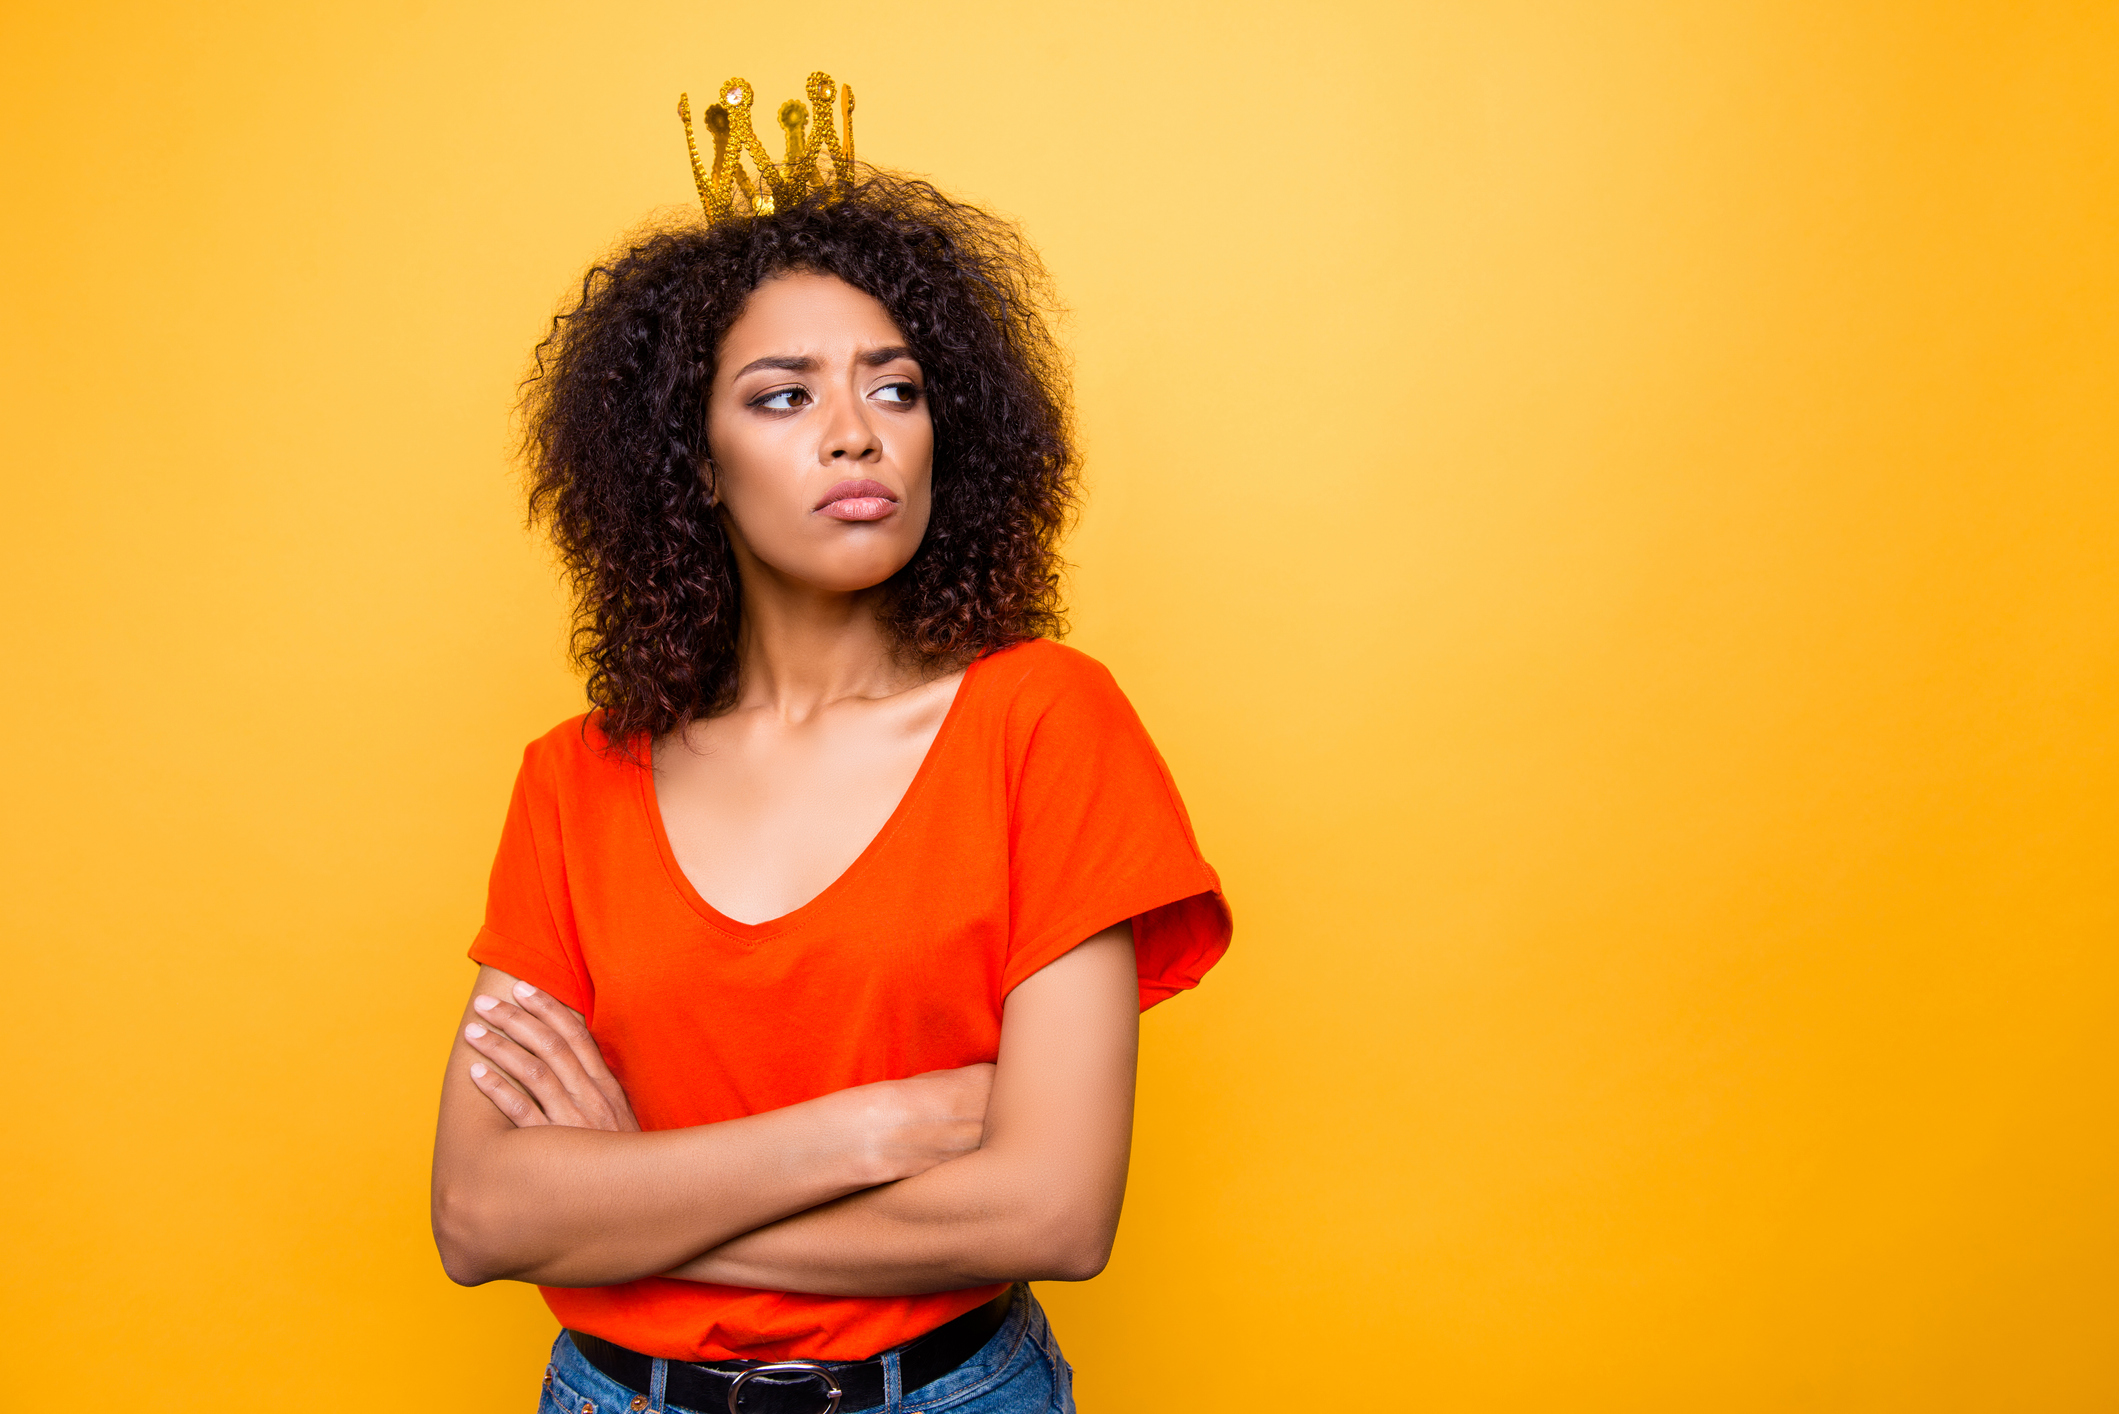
(802, 648)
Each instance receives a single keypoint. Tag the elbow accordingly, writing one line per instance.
(1070, 1245)
(1078, 1261)
(462, 1235)
(462, 1270)
(466, 1268)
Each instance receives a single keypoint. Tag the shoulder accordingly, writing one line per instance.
(573, 753)
(1049, 697)
(1040, 673)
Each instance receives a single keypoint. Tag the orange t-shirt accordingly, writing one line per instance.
(1041, 816)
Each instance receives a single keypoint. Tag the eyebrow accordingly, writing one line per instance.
(799, 363)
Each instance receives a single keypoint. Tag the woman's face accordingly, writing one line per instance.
(817, 424)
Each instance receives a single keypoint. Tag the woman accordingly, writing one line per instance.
(805, 1024)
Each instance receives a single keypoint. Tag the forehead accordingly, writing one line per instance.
(806, 313)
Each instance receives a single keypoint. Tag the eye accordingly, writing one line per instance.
(781, 399)
(904, 394)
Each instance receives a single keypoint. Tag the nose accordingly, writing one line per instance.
(849, 435)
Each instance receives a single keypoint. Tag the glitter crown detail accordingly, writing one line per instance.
(817, 160)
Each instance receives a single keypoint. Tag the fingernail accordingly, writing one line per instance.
(525, 990)
(474, 1031)
(485, 1003)
(478, 1072)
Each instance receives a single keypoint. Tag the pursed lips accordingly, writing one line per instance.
(858, 500)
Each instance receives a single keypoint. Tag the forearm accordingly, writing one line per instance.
(578, 1207)
(542, 1173)
(986, 1217)
(1039, 1200)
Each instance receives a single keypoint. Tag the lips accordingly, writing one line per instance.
(858, 500)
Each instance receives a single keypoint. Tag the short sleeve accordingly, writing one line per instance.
(1098, 834)
(529, 930)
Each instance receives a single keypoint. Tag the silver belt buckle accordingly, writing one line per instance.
(832, 1393)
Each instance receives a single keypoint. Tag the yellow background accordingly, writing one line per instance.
(1609, 510)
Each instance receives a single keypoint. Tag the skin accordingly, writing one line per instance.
(1001, 1172)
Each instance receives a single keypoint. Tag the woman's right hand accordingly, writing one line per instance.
(557, 1070)
(915, 1123)
(537, 1177)
(559, 1077)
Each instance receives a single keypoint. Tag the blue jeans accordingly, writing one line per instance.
(1019, 1371)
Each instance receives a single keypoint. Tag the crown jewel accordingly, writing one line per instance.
(816, 158)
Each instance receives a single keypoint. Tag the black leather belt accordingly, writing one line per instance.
(799, 1386)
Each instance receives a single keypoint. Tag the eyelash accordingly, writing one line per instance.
(764, 401)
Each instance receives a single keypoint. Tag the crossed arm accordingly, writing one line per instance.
(1007, 1172)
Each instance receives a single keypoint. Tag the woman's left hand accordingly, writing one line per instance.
(545, 1049)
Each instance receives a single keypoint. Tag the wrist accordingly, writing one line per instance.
(861, 1130)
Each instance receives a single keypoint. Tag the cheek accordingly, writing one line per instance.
(766, 511)
(916, 453)
(747, 466)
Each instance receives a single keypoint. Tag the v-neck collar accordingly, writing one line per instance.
(651, 810)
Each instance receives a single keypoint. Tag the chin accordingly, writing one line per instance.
(843, 577)
(852, 563)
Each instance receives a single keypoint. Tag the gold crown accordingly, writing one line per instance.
(816, 161)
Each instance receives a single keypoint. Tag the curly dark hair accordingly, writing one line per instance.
(615, 436)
